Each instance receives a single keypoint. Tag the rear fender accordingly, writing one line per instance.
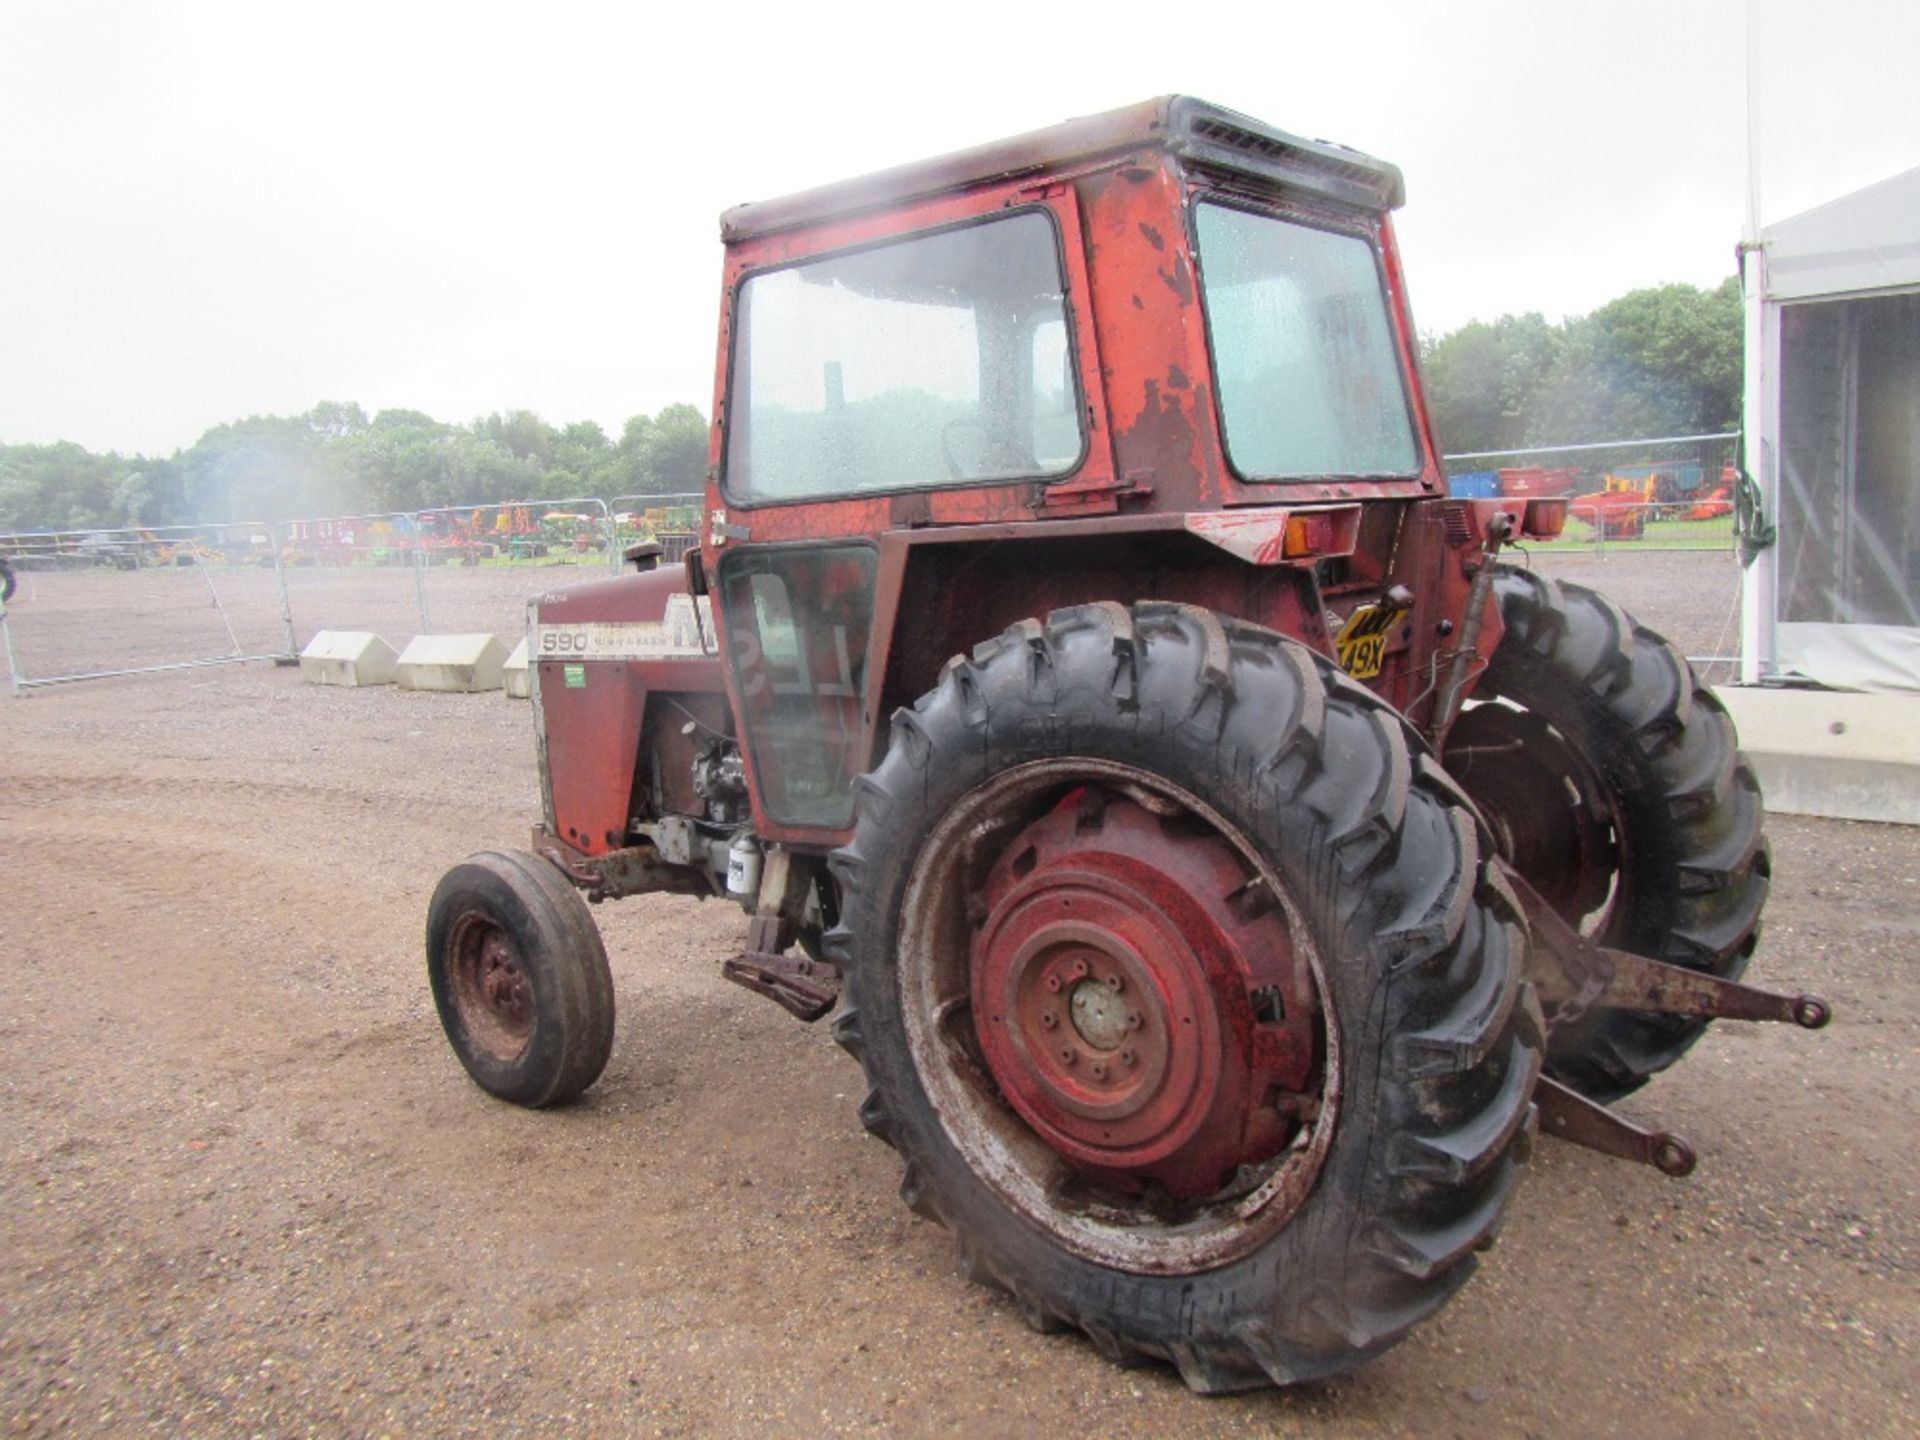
(937, 600)
(941, 591)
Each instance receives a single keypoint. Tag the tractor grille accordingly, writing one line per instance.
(1453, 522)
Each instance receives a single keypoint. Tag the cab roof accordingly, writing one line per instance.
(1204, 136)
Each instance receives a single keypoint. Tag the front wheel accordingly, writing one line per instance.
(520, 978)
(1187, 993)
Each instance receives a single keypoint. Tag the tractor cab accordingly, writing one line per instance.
(1161, 353)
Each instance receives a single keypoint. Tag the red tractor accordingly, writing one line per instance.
(1219, 858)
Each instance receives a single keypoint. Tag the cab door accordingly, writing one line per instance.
(879, 375)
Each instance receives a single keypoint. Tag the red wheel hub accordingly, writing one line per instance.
(490, 987)
(1137, 997)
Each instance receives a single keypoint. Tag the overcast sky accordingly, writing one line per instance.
(210, 210)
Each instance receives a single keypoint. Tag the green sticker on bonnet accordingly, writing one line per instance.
(576, 677)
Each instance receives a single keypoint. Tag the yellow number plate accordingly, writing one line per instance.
(1362, 642)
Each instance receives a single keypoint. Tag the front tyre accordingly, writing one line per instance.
(1187, 993)
(520, 978)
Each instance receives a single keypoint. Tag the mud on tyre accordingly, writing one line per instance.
(1112, 759)
(1613, 783)
(520, 978)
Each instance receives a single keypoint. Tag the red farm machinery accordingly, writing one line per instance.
(1220, 858)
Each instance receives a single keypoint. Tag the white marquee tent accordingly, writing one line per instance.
(1833, 441)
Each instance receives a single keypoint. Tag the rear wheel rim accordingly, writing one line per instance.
(1551, 817)
(1167, 1163)
(489, 987)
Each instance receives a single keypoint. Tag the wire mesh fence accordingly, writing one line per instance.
(1671, 493)
(670, 521)
(99, 602)
(480, 564)
(92, 603)
(355, 572)
(466, 568)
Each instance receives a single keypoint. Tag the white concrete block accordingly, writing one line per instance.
(518, 678)
(347, 657)
(451, 662)
(1831, 752)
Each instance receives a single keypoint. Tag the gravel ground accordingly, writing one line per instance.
(246, 1189)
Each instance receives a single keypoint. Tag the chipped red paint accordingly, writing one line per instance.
(1144, 307)
(1260, 536)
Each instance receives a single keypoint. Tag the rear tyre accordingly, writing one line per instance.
(1614, 785)
(520, 978)
(1187, 994)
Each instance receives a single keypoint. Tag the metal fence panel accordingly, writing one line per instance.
(673, 521)
(480, 564)
(102, 602)
(94, 603)
(1701, 525)
(1673, 492)
(459, 568)
(354, 572)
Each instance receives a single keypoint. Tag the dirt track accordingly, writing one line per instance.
(245, 1188)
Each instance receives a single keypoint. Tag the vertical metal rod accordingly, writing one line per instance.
(13, 660)
(1760, 428)
(420, 576)
(206, 573)
(286, 603)
(1752, 235)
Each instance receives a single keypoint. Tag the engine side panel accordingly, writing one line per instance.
(592, 715)
(599, 650)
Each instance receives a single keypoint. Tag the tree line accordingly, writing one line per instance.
(1661, 361)
(334, 460)
(1654, 362)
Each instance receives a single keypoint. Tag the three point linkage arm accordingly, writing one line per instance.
(1573, 974)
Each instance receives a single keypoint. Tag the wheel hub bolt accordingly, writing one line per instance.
(1066, 1055)
(1048, 1020)
(1127, 1057)
(1134, 1022)
(1099, 1071)
(1078, 970)
(1052, 982)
